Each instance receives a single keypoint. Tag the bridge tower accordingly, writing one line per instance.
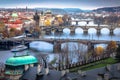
(57, 47)
(36, 18)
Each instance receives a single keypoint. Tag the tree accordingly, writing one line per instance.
(12, 32)
(99, 50)
(2, 27)
(60, 20)
(112, 46)
(47, 23)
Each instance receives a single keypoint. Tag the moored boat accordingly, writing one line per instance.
(19, 48)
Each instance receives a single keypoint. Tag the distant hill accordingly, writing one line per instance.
(73, 10)
(108, 9)
(53, 10)
(63, 10)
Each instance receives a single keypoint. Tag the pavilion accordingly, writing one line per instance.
(17, 65)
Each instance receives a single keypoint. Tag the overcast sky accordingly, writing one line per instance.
(82, 4)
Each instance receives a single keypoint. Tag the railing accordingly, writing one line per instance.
(84, 62)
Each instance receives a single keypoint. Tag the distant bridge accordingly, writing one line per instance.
(59, 29)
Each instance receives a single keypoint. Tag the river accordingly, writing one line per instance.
(47, 48)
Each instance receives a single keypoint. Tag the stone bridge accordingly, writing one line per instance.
(8, 43)
(80, 20)
(59, 29)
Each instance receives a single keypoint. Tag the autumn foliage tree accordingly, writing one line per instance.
(47, 23)
(99, 50)
(14, 32)
(112, 46)
(60, 20)
(3, 30)
(2, 27)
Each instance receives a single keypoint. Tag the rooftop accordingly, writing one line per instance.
(21, 60)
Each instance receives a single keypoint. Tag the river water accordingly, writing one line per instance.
(47, 48)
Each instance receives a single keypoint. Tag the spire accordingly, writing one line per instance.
(36, 18)
(26, 9)
(16, 9)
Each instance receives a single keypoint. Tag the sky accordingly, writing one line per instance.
(82, 4)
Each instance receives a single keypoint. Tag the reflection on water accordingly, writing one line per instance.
(41, 46)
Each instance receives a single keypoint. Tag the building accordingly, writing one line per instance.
(14, 22)
(16, 66)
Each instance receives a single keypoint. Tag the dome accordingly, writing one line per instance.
(21, 60)
(14, 14)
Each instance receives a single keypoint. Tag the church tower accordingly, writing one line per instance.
(36, 18)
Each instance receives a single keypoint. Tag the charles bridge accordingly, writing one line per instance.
(59, 29)
(9, 43)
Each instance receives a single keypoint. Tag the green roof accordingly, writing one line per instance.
(21, 60)
(14, 14)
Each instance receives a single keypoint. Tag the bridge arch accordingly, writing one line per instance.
(71, 46)
(79, 30)
(92, 31)
(105, 31)
(82, 23)
(116, 31)
(66, 30)
(73, 23)
(41, 46)
(104, 46)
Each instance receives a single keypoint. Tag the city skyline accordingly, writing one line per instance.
(82, 4)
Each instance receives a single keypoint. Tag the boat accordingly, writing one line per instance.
(18, 48)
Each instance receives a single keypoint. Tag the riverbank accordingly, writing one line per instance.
(96, 64)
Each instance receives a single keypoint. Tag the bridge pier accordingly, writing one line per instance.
(76, 22)
(85, 31)
(57, 47)
(111, 32)
(48, 32)
(72, 32)
(98, 32)
(60, 31)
